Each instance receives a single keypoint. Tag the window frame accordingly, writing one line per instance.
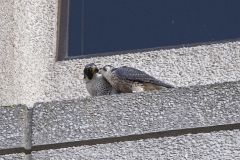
(62, 34)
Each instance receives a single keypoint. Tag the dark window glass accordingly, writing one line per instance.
(100, 26)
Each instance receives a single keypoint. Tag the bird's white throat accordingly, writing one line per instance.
(95, 77)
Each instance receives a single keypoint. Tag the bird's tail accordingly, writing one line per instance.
(157, 85)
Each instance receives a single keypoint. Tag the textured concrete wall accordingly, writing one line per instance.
(34, 47)
(214, 145)
(174, 122)
(29, 72)
(186, 66)
(13, 126)
(28, 49)
(20, 156)
(7, 25)
(131, 114)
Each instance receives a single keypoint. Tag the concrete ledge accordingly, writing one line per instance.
(214, 145)
(13, 125)
(133, 114)
(18, 156)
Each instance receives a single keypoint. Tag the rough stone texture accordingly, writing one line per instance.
(29, 73)
(18, 156)
(27, 49)
(214, 145)
(34, 47)
(130, 114)
(7, 24)
(12, 126)
(200, 65)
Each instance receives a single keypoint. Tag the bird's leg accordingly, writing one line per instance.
(137, 87)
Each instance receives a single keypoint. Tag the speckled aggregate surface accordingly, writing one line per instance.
(27, 49)
(200, 65)
(130, 114)
(12, 126)
(29, 72)
(204, 146)
(34, 48)
(18, 156)
(7, 24)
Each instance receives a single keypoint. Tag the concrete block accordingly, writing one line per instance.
(13, 121)
(132, 114)
(17, 156)
(214, 145)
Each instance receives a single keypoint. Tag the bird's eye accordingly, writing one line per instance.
(89, 69)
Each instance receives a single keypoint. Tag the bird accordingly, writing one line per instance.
(130, 80)
(96, 84)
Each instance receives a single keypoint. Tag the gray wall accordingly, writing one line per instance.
(7, 24)
(197, 122)
(29, 71)
(193, 122)
(214, 145)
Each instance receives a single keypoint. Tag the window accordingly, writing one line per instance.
(90, 27)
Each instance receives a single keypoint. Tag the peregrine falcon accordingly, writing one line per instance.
(128, 79)
(96, 84)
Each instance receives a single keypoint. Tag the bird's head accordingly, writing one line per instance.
(106, 70)
(89, 71)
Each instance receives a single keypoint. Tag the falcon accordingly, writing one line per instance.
(128, 79)
(96, 84)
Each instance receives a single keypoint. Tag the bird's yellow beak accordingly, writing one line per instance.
(93, 69)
